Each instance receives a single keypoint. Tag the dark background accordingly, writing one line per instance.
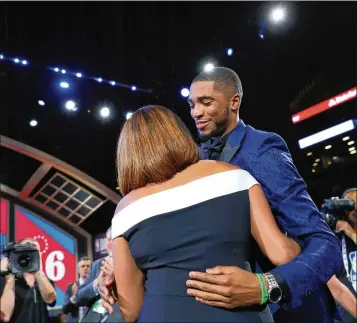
(162, 46)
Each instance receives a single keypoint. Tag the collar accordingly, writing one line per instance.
(81, 281)
(235, 137)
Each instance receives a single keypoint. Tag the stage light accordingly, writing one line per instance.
(64, 85)
(185, 92)
(261, 35)
(128, 115)
(71, 105)
(351, 148)
(278, 14)
(104, 112)
(99, 79)
(63, 71)
(350, 143)
(328, 147)
(41, 103)
(315, 164)
(56, 69)
(313, 171)
(133, 88)
(112, 83)
(327, 134)
(317, 160)
(24, 62)
(33, 123)
(1, 56)
(209, 67)
(229, 51)
(79, 74)
(309, 154)
(345, 138)
(16, 60)
(352, 152)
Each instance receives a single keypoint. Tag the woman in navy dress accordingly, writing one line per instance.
(182, 214)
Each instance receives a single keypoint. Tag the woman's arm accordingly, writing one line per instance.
(275, 245)
(342, 295)
(129, 280)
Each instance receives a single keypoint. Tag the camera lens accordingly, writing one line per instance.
(24, 261)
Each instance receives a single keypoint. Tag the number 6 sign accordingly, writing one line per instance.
(54, 267)
(58, 249)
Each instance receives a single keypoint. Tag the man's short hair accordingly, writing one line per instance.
(31, 240)
(85, 258)
(348, 191)
(224, 79)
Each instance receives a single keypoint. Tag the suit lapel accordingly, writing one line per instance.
(228, 153)
(234, 142)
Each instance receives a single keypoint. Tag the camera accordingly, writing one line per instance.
(23, 258)
(335, 209)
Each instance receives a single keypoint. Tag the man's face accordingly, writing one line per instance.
(83, 269)
(352, 216)
(109, 243)
(211, 110)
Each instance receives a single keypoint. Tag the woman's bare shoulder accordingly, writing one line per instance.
(218, 166)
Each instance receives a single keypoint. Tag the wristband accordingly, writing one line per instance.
(4, 273)
(263, 288)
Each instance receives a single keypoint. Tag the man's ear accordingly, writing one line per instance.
(235, 103)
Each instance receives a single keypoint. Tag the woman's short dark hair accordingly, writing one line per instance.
(153, 146)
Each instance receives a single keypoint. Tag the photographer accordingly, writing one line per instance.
(33, 292)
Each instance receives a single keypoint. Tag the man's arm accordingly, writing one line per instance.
(297, 215)
(69, 303)
(88, 291)
(47, 290)
(7, 300)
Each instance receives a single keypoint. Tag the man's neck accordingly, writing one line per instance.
(229, 128)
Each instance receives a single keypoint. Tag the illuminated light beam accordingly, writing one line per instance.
(327, 134)
(325, 105)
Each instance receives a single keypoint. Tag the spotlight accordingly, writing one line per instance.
(41, 103)
(352, 152)
(63, 71)
(71, 106)
(79, 74)
(16, 60)
(345, 138)
(56, 69)
(350, 143)
(278, 15)
(352, 148)
(261, 35)
(185, 92)
(317, 160)
(1, 56)
(313, 171)
(104, 112)
(128, 115)
(133, 88)
(64, 85)
(112, 83)
(24, 62)
(33, 123)
(209, 67)
(229, 51)
(315, 164)
(328, 147)
(99, 79)
(309, 154)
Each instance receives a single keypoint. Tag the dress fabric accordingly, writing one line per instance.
(192, 227)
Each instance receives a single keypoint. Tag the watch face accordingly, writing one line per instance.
(275, 295)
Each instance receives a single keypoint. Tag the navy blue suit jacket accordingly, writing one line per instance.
(87, 296)
(71, 310)
(266, 156)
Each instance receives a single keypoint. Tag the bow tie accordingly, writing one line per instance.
(213, 148)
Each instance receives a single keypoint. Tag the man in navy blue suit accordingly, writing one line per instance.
(299, 287)
(74, 313)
